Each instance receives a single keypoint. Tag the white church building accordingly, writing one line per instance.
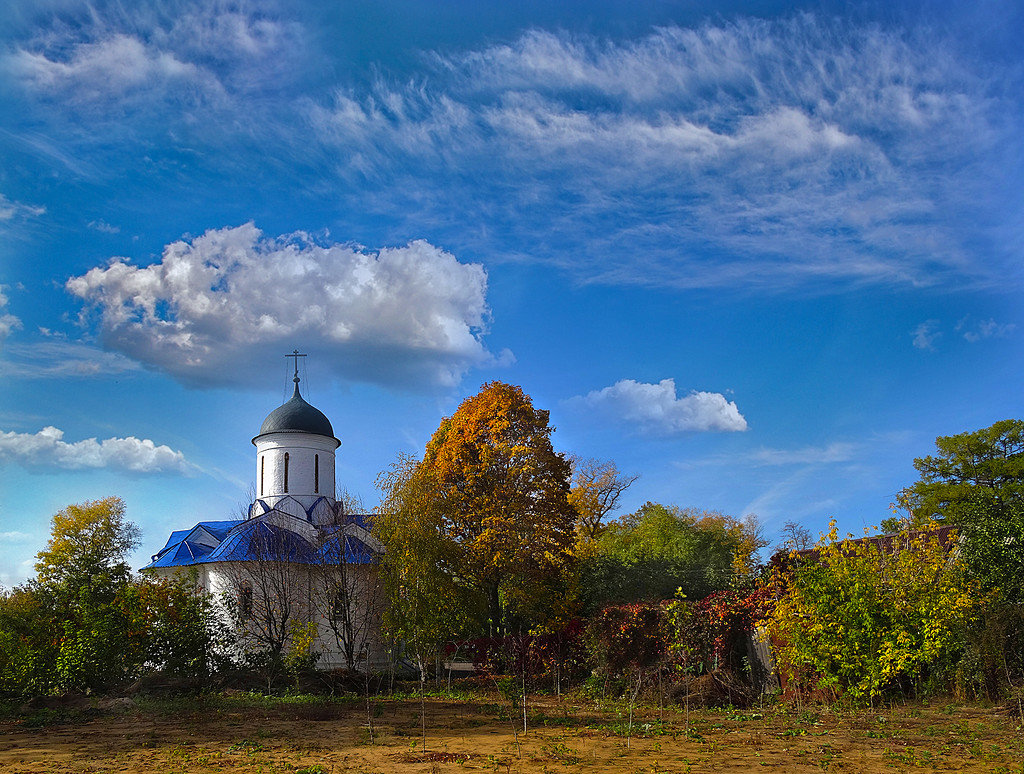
(298, 564)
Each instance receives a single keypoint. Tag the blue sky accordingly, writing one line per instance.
(761, 254)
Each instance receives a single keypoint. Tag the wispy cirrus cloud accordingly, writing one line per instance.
(657, 409)
(103, 227)
(837, 451)
(756, 153)
(205, 56)
(10, 209)
(207, 311)
(48, 449)
(799, 152)
(8, 321)
(55, 358)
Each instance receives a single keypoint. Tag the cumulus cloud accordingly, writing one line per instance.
(48, 449)
(217, 306)
(656, 409)
(751, 153)
(926, 334)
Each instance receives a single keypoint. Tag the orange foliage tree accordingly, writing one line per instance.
(497, 492)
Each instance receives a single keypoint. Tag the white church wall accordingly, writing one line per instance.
(310, 599)
(309, 464)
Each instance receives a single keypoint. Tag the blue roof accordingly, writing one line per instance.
(258, 540)
(248, 540)
(219, 529)
(356, 551)
(182, 553)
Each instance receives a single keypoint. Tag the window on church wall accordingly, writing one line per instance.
(286, 472)
(316, 474)
(245, 600)
(340, 608)
(263, 467)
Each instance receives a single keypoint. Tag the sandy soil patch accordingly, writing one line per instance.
(254, 734)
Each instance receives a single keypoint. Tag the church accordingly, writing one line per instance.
(298, 567)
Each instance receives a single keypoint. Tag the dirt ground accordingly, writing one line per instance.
(247, 733)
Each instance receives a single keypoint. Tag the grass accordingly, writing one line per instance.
(311, 734)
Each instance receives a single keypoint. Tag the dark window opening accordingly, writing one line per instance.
(245, 600)
(286, 472)
(263, 467)
(316, 474)
(339, 610)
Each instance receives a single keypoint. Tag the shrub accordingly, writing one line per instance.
(875, 615)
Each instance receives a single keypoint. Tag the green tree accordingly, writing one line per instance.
(976, 481)
(85, 623)
(649, 554)
(971, 473)
(83, 574)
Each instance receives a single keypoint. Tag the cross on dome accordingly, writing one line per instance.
(296, 354)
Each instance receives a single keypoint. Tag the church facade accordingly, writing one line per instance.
(297, 568)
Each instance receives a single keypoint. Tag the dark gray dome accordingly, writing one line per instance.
(296, 416)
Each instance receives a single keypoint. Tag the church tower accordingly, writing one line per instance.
(295, 451)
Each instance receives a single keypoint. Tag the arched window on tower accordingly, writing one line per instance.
(286, 472)
(263, 467)
(316, 474)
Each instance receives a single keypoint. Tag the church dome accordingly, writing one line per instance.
(296, 416)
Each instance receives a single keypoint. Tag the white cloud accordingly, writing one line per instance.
(8, 322)
(926, 334)
(838, 451)
(103, 227)
(56, 359)
(221, 304)
(116, 65)
(10, 209)
(976, 330)
(201, 54)
(753, 153)
(47, 449)
(655, 408)
(15, 536)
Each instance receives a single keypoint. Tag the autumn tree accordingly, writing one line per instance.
(491, 500)
(88, 543)
(503, 492)
(427, 602)
(596, 488)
